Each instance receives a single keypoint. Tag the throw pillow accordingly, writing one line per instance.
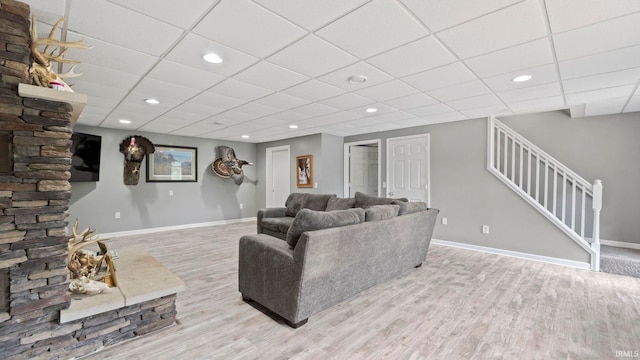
(364, 200)
(294, 203)
(380, 212)
(337, 203)
(317, 202)
(410, 207)
(309, 220)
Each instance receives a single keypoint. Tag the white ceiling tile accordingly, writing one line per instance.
(132, 30)
(311, 14)
(313, 90)
(290, 116)
(46, 11)
(600, 63)
(195, 107)
(101, 95)
(444, 76)
(605, 36)
(523, 56)
(598, 95)
(340, 77)
(170, 11)
(184, 75)
(445, 117)
(570, 14)
(460, 91)
(270, 122)
(420, 55)
(105, 76)
(380, 109)
(270, 76)
(482, 101)
(611, 106)
(541, 104)
(178, 117)
(231, 117)
(441, 14)
(312, 56)
(240, 90)
(257, 109)
(374, 28)
(540, 75)
(531, 92)
(336, 117)
(347, 101)
(599, 81)
(281, 101)
(633, 105)
(430, 110)
(191, 49)
(363, 123)
(245, 26)
(411, 101)
(486, 111)
(159, 128)
(381, 127)
(416, 121)
(393, 116)
(513, 25)
(389, 90)
(163, 91)
(315, 110)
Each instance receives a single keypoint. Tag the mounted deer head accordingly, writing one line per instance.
(134, 148)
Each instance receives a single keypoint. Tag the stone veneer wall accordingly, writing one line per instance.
(34, 201)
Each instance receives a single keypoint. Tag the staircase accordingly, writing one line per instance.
(565, 198)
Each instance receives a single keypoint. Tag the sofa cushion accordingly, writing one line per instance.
(280, 224)
(309, 220)
(410, 207)
(336, 203)
(294, 203)
(380, 212)
(317, 202)
(364, 200)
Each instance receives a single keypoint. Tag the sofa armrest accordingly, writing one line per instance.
(267, 213)
(269, 274)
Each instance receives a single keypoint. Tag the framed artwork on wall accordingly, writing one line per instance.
(304, 171)
(171, 163)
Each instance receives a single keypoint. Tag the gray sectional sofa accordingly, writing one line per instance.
(328, 256)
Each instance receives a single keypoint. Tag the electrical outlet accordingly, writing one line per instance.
(485, 229)
(170, 192)
(241, 205)
(444, 221)
(117, 214)
(315, 185)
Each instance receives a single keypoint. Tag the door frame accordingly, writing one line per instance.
(269, 169)
(347, 162)
(428, 159)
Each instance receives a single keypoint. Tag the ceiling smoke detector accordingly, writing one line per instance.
(357, 79)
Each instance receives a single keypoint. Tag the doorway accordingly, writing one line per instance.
(408, 168)
(362, 168)
(278, 184)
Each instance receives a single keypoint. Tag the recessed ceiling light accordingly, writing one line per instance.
(371, 110)
(357, 79)
(521, 78)
(152, 101)
(245, 136)
(293, 126)
(212, 58)
(124, 121)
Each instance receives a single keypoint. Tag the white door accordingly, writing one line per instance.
(363, 170)
(278, 176)
(408, 167)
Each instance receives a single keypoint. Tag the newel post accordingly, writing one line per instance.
(597, 206)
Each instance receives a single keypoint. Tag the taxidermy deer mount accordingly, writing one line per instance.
(41, 69)
(134, 148)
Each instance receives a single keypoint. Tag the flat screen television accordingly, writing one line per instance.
(85, 162)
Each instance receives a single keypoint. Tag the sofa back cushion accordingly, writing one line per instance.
(294, 203)
(309, 220)
(364, 200)
(410, 207)
(380, 212)
(336, 203)
(317, 202)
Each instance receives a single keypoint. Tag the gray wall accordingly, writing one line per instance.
(469, 196)
(148, 205)
(327, 164)
(597, 147)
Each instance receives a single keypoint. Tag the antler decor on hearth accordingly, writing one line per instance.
(41, 69)
(85, 265)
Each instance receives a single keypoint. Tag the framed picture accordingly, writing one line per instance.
(173, 163)
(304, 166)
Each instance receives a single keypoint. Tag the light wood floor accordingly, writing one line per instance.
(459, 305)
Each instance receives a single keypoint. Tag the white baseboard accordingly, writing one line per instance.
(620, 244)
(516, 254)
(175, 227)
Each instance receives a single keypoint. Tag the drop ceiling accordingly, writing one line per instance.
(287, 62)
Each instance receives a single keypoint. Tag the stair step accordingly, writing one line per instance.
(620, 261)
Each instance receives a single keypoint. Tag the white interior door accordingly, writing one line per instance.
(363, 170)
(278, 176)
(408, 167)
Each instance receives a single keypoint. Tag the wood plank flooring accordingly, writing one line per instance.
(459, 305)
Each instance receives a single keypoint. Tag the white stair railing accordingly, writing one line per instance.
(565, 198)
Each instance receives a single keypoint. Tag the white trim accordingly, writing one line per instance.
(175, 227)
(269, 168)
(427, 136)
(515, 254)
(620, 244)
(346, 163)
